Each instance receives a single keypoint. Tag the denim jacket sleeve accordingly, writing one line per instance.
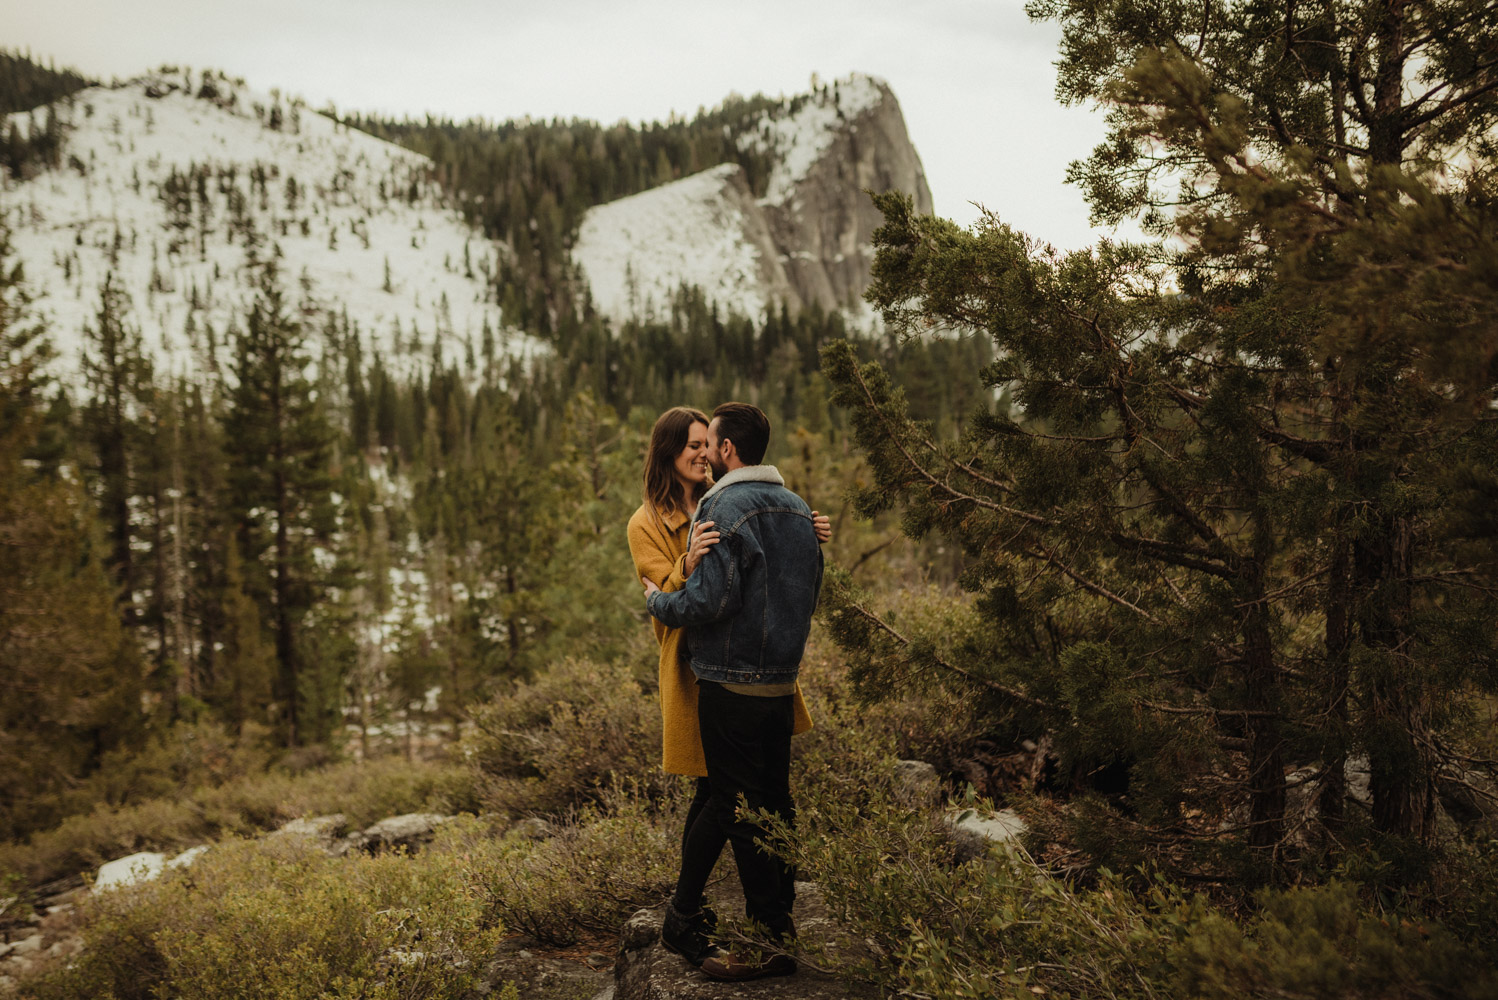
(710, 594)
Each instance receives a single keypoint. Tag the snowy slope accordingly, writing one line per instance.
(808, 239)
(700, 230)
(336, 202)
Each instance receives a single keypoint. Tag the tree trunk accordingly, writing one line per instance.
(1402, 764)
(285, 638)
(1266, 764)
(1386, 126)
(1331, 801)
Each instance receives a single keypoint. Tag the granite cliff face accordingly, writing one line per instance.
(823, 222)
(809, 239)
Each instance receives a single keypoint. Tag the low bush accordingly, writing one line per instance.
(277, 920)
(605, 861)
(562, 739)
(918, 921)
(365, 792)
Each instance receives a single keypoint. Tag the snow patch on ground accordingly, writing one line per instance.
(366, 235)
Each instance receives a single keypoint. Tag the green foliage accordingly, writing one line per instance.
(71, 676)
(26, 84)
(277, 442)
(1217, 520)
(529, 183)
(912, 917)
(564, 739)
(602, 863)
(280, 919)
(214, 799)
(1322, 942)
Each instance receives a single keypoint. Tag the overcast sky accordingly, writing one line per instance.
(974, 77)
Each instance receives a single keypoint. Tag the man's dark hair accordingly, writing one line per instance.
(747, 427)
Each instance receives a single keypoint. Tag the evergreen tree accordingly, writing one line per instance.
(1228, 531)
(277, 439)
(116, 374)
(70, 687)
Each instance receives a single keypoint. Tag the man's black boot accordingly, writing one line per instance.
(689, 934)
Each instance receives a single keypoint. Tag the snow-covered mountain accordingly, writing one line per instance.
(171, 185)
(809, 239)
(168, 187)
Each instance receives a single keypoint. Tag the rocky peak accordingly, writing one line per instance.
(848, 139)
(809, 239)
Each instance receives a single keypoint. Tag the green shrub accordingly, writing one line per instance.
(915, 921)
(281, 921)
(560, 740)
(1322, 942)
(606, 860)
(365, 792)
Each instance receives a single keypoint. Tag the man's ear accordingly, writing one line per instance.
(726, 449)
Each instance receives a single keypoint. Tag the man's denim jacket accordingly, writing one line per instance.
(747, 608)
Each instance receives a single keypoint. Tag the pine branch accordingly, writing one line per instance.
(904, 643)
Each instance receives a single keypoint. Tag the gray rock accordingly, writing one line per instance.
(917, 785)
(533, 828)
(826, 226)
(140, 867)
(1359, 781)
(326, 828)
(325, 833)
(976, 834)
(27, 946)
(410, 831)
(810, 238)
(640, 930)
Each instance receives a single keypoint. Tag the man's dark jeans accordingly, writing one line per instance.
(746, 741)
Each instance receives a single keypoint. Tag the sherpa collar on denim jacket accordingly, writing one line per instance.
(743, 474)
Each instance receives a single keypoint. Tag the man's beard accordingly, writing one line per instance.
(719, 469)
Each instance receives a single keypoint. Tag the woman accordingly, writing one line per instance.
(676, 476)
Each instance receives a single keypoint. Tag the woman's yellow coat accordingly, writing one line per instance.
(659, 551)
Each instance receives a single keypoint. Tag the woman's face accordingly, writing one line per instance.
(691, 463)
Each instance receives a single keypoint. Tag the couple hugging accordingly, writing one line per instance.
(731, 566)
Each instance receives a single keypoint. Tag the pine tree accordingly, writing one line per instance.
(70, 687)
(117, 376)
(1317, 140)
(1222, 532)
(242, 659)
(277, 438)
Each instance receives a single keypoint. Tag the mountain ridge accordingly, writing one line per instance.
(807, 240)
(172, 185)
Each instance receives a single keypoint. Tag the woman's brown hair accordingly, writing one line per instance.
(663, 491)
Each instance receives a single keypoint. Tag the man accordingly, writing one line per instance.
(747, 609)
